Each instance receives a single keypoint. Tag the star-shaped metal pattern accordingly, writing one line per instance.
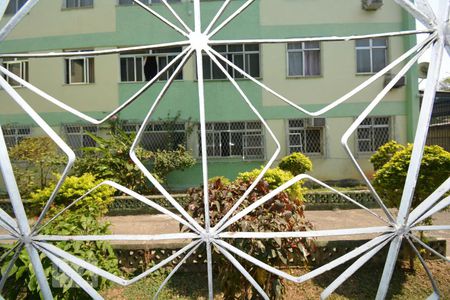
(196, 43)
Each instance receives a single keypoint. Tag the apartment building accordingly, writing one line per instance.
(311, 74)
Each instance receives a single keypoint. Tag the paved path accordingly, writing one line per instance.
(325, 219)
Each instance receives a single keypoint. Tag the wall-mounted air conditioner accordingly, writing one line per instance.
(372, 4)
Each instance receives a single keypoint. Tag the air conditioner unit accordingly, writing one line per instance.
(315, 122)
(372, 4)
(401, 82)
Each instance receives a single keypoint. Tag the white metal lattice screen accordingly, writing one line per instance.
(202, 46)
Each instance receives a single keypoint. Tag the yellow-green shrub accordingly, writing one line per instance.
(296, 163)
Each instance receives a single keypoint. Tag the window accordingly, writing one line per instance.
(306, 135)
(373, 133)
(78, 3)
(17, 67)
(234, 139)
(371, 55)
(79, 70)
(131, 2)
(245, 57)
(140, 67)
(15, 133)
(303, 59)
(14, 6)
(159, 136)
(77, 136)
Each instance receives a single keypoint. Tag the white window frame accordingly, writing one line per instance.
(13, 132)
(308, 126)
(230, 53)
(371, 47)
(87, 60)
(303, 49)
(169, 56)
(372, 126)
(247, 131)
(24, 68)
(78, 5)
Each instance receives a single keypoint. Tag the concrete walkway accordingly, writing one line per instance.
(325, 219)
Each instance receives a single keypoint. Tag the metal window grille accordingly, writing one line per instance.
(159, 136)
(246, 57)
(19, 68)
(303, 59)
(77, 137)
(144, 66)
(14, 6)
(373, 133)
(234, 139)
(371, 55)
(79, 70)
(439, 132)
(78, 3)
(306, 136)
(15, 133)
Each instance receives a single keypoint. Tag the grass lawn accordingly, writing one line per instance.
(406, 284)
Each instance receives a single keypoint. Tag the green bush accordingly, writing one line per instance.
(278, 214)
(95, 204)
(81, 219)
(35, 161)
(110, 160)
(222, 179)
(296, 163)
(385, 153)
(276, 177)
(389, 181)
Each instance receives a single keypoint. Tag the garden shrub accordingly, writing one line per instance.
(35, 161)
(278, 214)
(389, 181)
(385, 153)
(81, 219)
(296, 163)
(95, 204)
(222, 179)
(274, 178)
(110, 160)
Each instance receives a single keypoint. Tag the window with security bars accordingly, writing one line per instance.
(306, 136)
(17, 67)
(77, 136)
(373, 133)
(303, 59)
(159, 136)
(371, 55)
(78, 3)
(13, 134)
(246, 57)
(143, 66)
(234, 139)
(14, 6)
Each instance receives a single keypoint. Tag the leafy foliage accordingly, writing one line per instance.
(35, 160)
(281, 213)
(385, 153)
(111, 160)
(81, 219)
(165, 161)
(390, 179)
(95, 204)
(296, 163)
(274, 178)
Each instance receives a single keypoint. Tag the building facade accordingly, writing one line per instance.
(311, 74)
